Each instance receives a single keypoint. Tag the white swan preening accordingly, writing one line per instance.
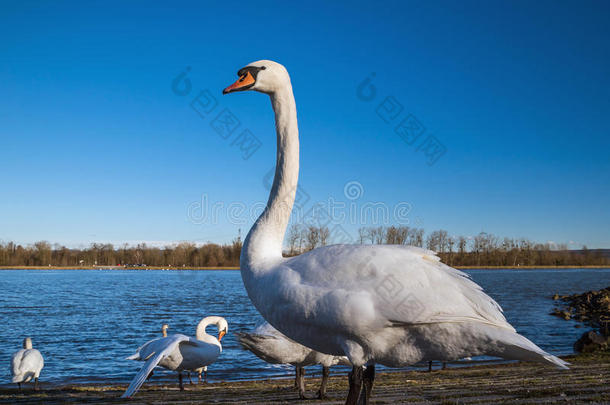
(392, 305)
(270, 345)
(26, 364)
(179, 352)
(199, 371)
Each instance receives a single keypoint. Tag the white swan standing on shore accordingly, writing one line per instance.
(200, 370)
(386, 304)
(270, 345)
(26, 364)
(179, 352)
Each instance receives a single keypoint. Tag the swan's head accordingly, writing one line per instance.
(265, 76)
(164, 329)
(223, 328)
(27, 343)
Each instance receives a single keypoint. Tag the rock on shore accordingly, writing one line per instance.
(593, 309)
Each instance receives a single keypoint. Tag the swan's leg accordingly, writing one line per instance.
(19, 385)
(199, 377)
(368, 378)
(301, 383)
(355, 385)
(444, 366)
(296, 376)
(429, 366)
(180, 381)
(322, 390)
(188, 373)
(36, 384)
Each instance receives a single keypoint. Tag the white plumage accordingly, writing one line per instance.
(393, 305)
(179, 352)
(26, 364)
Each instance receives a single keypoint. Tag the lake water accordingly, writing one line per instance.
(85, 322)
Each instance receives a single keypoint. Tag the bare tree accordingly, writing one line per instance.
(323, 234)
(313, 236)
(416, 237)
(294, 234)
(450, 243)
(379, 235)
(391, 235)
(362, 234)
(402, 234)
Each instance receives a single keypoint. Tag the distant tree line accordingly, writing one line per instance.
(484, 249)
(179, 255)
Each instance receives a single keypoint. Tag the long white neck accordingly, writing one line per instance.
(201, 334)
(265, 239)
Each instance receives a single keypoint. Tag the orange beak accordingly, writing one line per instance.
(221, 334)
(243, 83)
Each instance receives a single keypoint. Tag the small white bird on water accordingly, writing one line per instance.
(270, 345)
(388, 304)
(26, 364)
(179, 352)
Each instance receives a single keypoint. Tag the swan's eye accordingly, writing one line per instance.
(263, 67)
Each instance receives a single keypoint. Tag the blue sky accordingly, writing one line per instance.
(97, 147)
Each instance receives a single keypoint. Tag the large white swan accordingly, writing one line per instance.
(393, 305)
(26, 364)
(272, 346)
(179, 352)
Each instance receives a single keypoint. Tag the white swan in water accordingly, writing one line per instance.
(179, 352)
(26, 364)
(387, 304)
(270, 345)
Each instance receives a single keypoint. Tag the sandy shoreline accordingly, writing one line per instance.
(587, 381)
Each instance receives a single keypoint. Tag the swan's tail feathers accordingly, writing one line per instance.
(142, 375)
(557, 361)
(517, 347)
(23, 377)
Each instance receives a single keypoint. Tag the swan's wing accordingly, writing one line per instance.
(32, 360)
(16, 362)
(145, 350)
(17, 366)
(383, 285)
(154, 351)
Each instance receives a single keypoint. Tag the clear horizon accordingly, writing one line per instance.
(464, 116)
